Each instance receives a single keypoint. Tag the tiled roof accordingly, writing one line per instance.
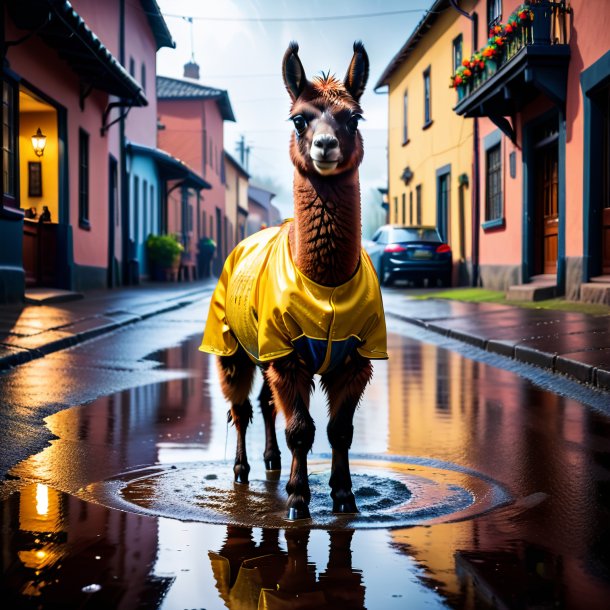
(178, 89)
(159, 28)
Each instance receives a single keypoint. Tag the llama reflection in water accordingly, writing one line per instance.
(250, 575)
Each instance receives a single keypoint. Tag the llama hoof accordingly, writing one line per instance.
(298, 513)
(241, 473)
(345, 506)
(273, 464)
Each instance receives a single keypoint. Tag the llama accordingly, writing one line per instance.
(303, 298)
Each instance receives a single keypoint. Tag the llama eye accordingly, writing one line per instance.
(300, 124)
(352, 124)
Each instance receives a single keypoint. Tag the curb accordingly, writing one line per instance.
(599, 379)
(72, 334)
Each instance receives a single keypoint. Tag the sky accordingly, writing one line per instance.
(239, 45)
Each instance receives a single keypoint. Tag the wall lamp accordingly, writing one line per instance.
(39, 141)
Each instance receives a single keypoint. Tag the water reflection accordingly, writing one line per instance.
(551, 548)
(251, 576)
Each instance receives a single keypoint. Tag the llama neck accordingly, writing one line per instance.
(325, 239)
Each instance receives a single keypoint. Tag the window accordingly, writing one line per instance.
(493, 183)
(9, 167)
(83, 179)
(395, 209)
(418, 203)
(205, 150)
(132, 67)
(135, 226)
(427, 99)
(143, 76)
(144, 209)
(404, 208)
(494, 12)
(152, 208)
(411, 207)
(457, 52)
(405, 130)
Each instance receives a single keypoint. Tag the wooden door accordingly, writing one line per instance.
(547, 168)
(605, 228)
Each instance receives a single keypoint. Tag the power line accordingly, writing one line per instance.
(284, 19)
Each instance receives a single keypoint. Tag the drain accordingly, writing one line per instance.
(391, 491)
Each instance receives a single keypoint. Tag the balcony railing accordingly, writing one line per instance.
(541, 23)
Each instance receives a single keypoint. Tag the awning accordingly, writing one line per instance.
(171, 168)
(63, 29)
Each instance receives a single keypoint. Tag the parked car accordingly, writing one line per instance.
(411, 253)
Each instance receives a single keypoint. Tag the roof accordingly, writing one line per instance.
(184, 89)
(260, 195)
(237, 164)
(418, 33)
(159, 28)
(171, 167)
(63, 29)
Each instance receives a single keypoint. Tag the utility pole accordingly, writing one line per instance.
(243, 152)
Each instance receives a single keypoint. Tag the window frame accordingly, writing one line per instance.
(494, 12)
(405, 117)
(84, 165)
(10, 200)
(427, 97)
(457, 44)
(494, 208)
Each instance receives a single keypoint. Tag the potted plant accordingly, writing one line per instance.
(164, 256)
(207, 247)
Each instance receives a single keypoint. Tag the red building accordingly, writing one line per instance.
(70, 70)
(191, 127)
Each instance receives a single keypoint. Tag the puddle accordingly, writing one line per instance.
(390, 491)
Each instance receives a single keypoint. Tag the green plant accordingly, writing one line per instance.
(164, 250)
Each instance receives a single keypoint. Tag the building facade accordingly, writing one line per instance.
(430, 150)
(236, 197)
(541, 101)
(70, 74)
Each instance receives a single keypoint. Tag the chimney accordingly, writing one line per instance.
(191, 70)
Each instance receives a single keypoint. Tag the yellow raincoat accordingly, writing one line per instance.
(267, 305)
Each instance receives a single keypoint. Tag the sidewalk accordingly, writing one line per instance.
(573, 344)
(32, 331)
(567, 343)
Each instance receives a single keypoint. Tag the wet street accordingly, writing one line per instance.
(479, 486)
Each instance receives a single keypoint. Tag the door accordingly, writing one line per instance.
(547, 210)
(113, 215)
(442, 205)
(605, 224)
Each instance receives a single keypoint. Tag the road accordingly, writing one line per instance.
(477, 483)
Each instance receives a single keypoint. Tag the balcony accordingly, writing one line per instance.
(529, 59)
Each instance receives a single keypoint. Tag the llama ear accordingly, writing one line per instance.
(293, 71)
(358, 71)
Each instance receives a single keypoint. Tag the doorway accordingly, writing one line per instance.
(546, 198)
(39, 176)
(604, 104)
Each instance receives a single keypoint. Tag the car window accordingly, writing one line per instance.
(376, 236)
(415, 234)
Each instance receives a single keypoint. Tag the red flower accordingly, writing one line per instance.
(458, 80)
(466, 62)
(467, 72)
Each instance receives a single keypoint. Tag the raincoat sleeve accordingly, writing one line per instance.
(373, 333)
(217, 336)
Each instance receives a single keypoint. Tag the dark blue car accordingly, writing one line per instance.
(410, 253)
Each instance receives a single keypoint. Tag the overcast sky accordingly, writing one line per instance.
(239, 45)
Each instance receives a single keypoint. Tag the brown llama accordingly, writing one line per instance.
(304, 299)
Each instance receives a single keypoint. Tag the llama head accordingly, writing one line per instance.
(325, 113)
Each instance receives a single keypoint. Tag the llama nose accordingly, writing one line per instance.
(326, 142)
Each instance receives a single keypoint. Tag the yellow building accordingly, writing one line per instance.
(236, 199)
(430, 148)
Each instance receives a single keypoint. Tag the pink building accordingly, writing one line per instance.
(71, 71)
(542, 112)
(191, 127)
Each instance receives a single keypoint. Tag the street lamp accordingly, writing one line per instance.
(39, 141)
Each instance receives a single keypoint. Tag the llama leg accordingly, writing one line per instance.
(236, 375)
(291, 384)
(344, 387)
(272, 451)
